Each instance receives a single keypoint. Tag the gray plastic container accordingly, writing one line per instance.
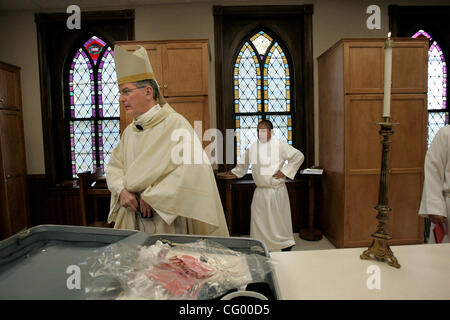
(34, 263)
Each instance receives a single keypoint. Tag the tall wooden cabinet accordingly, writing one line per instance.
(351, 82)
(181, 69)
(13, 192)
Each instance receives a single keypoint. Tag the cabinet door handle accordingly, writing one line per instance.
(8, 176)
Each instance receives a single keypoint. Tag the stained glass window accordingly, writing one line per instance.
(247, 81)
(437, 87)
(94, 117)
(262, 90)
(94, 46)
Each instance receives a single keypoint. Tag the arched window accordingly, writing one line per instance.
(262, 90)
(437, 87)
(94, 115)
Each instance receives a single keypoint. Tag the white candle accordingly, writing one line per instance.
(387, 76)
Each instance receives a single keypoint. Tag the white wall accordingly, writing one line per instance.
(332, 20)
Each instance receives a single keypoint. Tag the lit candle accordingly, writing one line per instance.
(387, 76)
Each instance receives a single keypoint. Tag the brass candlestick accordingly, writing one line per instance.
(379, 249)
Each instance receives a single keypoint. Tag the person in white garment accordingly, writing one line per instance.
(435, 204)
(270, 209)
(151, 190)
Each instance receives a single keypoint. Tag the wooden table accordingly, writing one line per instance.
(310, 233)
(341, 274)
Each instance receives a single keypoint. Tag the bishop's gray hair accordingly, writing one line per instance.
(149, 82)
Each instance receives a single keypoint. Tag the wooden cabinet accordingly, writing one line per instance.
(13, 191)
(181, 69)
(9, 90)
(351, 82)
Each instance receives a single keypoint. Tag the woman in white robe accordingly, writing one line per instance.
(435, 202)
(270, 209)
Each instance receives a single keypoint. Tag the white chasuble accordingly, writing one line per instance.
(436, 186)
(158, 163)
(270, 209)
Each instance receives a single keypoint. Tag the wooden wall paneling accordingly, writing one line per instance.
(242, 193)
(331, 95)
(364, 66)
(14, 196)
(41, 203)
(194, 108)
(410, 66)
(299, 202)
(363, 149)
(12, 141)
(17, 206)
(65, 205)
(407, 226)
(68, 205)
(9, 92)
(185, 68)
(53, 205)
(409, 139)
(5, 219)
(360, 217)
(331, 143)
(331, 215)
(125, 120)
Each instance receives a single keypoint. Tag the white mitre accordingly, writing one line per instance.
(134, 66)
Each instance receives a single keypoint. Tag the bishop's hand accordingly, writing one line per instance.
(128, 200)
(146, 210)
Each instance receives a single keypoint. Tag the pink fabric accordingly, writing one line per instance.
(180, 274)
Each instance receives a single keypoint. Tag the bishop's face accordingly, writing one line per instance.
(264, 134)
(135, 100)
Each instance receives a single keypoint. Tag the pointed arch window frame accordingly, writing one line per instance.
(261, 61)
(437, 117)
(94, 124)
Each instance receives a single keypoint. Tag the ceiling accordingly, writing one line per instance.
(61, 5)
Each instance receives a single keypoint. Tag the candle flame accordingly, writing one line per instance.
(389, 34)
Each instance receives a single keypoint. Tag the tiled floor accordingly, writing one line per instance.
(301, 244)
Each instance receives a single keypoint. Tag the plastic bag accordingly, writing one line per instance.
(198, 270)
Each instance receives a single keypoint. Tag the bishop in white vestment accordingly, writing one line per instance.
(151, 190)
(270, 209)
(435, 202)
